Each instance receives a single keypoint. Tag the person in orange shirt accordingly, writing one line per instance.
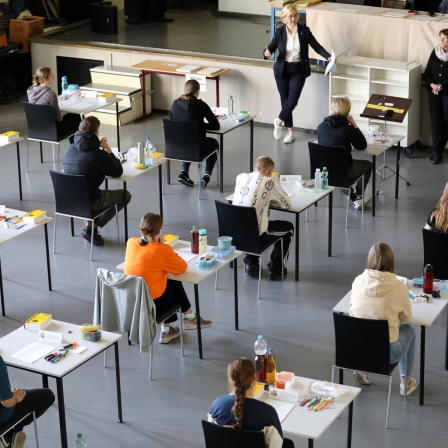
(149, 257)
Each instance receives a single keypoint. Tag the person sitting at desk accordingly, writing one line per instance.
(438, 218)
(91, 156)
(378, 294)
(259, 189)
(190, 108)
(41, 93)
(340, 129)
(240, 410)
(16, 403)
(149, 257)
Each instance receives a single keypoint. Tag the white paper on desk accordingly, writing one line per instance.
(77, 105)
(346, 10)
(33, 352)
(185, 254)
(282, 408)
(331, 63)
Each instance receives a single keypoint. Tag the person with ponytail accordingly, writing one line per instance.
(240, 409)
(438, 218)
(190, 108)
(150, 258)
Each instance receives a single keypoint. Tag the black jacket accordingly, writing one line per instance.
(436, 72)
(86, 157)
(305, 38)
(335, 130)
(195, 110)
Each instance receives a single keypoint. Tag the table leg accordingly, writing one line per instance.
(235, 291)
(350, 425)
(20, 174)
(48, 257)
(341, 376)
(125, 210)
(198, 319)
(330, 222)
(1, 290)
(117, 378)
(61, 406)
(446, 342)
(373, 184)
(118, 126)
(160, 190)
(251, 157)
(422, 365)
(221, 164)
(397, 169)
(296, 236)
(45, 381)
(310, 443)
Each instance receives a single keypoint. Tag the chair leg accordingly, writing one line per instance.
(216, 280)
(54, 233)
(150, 361)
(27, 154)
(388, 401)
(72, 226)
(199, 180)
(116, 221)
(346, 214)
(332, 374)
(362, 194)
(283, 260)
(181, 328)
(259, 277)
(41, 153)
(35, 430)
(91, 239)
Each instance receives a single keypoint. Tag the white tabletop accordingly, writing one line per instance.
(375, 149)
(423, 313)
(130, 173)
(228, 125)
(21, 338)
(82, 106)
(8, 234)
(304, 423)
(10, 143)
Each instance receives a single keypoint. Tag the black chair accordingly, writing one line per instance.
(241, 224)
(42, 127)
(435, 250)
(337, 163)
(182, 143)
(362, 345)
(217, 436)
(72, 198)
(6, 427)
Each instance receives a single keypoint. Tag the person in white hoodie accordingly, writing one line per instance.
(378, 294)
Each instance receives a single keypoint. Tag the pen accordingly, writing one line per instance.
(313, 400)
(23, 225)
(304, 402)
(322, 405)
(316, 405)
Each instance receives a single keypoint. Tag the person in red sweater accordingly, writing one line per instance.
(149, 257)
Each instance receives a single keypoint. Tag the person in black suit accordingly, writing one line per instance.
(292, 66)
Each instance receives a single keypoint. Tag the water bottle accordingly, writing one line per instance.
(202, 241)
(149, 152)
(80, 442)
(64, 85)
(261, 347)
(194, 241)
(318, 180)
(141, 153)
(271, 367)
(230, 105)
(324, 178)
(428, 279)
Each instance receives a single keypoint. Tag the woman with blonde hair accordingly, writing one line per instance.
(241, 410)
(438, 218)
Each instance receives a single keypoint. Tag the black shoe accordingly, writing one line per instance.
(276, 275)
(184, 179)
(437, 159)
(431, 156)
(252, 270)
(87, 235)
(205, 180)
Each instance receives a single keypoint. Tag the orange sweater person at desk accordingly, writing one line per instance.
(149, 257)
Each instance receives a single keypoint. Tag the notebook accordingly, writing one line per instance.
(188, 68)
(209, 70)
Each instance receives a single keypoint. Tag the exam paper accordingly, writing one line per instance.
(282, 408)
(33, 352)
(185, 253)
(331, 63)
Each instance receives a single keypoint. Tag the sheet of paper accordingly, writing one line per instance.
(77, 105)
(282, 408)
(33, 352)
(346, 10)
(185, 254)
(331, 63)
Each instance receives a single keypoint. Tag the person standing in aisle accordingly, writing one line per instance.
(436, 77)
(292, 66)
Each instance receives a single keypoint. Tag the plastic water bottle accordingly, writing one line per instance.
(261, 347)
(194, 241)
(271, 367)
(230, 105)
(324, 178)
(149, 152)
(202, 241)
(80, 442)
(64, 85)
(318, 180)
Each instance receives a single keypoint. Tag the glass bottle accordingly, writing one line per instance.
(202, 241)
(428, 279)
(271, 367)
(194, 240)
(324, 178)
(261, 347)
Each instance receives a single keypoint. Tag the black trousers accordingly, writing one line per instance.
(358, 168)
(108, 199)
(438, 111)
(174, 292)
(289, 87)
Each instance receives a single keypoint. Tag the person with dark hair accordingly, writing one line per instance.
(240, 409)
(438, 218)
(150, 258)
(90, 155)
(41, 93)
(378, 294)
(190, 108)
(16, 403)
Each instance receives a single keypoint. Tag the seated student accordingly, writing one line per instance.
(378, 294)
(258, 189)
(15, 404)
(340, 129)
(149, 257)
(240, 410)
(41, 93)
(438, 218)
(190, 108)
(91, 156)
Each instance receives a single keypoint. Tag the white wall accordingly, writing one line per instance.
(245, 6)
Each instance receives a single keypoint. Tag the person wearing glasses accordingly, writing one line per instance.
(436, 77)
(292, 66)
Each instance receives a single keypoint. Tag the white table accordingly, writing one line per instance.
(423, 314)
(195, 275)
(311, 425)
(301, 200)
(9, 234)
(16, 141)
(21, 338)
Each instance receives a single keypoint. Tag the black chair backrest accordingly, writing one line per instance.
(335, 159)
(217, 436)
(435, 252)
(362, 344)
(241, 224)
(71, 193)
(182, 140)
(41, 121)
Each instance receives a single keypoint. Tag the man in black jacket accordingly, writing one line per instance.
(91, 156)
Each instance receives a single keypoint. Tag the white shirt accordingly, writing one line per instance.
(292, 46)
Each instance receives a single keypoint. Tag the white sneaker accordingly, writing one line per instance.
(413, 384)
(363, 378)
(289, 137)
(277, 130)
(18, 439)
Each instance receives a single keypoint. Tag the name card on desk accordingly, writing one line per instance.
(50, 336)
